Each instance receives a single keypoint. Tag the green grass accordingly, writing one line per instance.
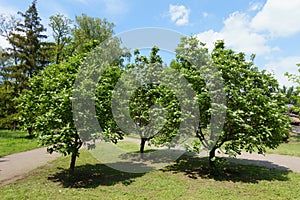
(188, 178)
(15, 141)
(125, 156)
(291, 148)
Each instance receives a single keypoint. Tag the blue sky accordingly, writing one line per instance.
(268, 28)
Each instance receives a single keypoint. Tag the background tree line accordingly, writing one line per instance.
(31, 50)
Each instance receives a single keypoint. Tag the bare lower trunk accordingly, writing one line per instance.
(212, 156)
(15, 126)
(78, 144)
(29, 130)
(73, 161)
(142, 146)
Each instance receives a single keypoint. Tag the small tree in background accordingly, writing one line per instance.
(291, 94)
(90, 28)
(61, 28)
(295, 94)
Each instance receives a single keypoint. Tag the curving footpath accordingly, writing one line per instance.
(13, 167)
(281, 162)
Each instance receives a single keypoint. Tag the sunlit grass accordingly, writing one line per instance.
(291, 148)
(188, 178)
(15, 141)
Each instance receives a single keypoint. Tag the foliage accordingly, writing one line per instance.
(24, 59)
(294, 77)
(105, 117)
(61, 28)
(29, 45)
(8, 24)
(102, 62)
(194, 62)
(255, 112)
(8, 113)
(295, 95)
(143, 106)
(89, 28)
(47, 107)
(291, 94)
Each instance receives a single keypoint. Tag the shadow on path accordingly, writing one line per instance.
(195, 167)
(262, 163)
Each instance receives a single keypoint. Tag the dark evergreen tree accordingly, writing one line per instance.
(29, 44)
(28, 55)
(8, 24)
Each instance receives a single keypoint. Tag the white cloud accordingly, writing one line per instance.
(210, 37)
(6, 10)
(179, 14)
(4, 43)
(254, 6)
(205, 14)
(281, 66)
(238, 35)
(280, 18)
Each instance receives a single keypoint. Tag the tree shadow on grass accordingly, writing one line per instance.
(153, 156)
(29, 137)
(195, 167)
(92, 176)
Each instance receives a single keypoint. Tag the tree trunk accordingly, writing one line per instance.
(57, 51)
(78, 144)
(57, 59)
(212, 155)
(14, 126)
(72, 164)
(142, 146)
(29, 130)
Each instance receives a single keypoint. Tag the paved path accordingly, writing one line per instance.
(282, 162)
(13, 166)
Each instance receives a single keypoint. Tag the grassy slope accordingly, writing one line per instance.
(291, 148)
(15, 141)
(189, 178)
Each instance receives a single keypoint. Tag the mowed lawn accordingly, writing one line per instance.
(187, 178)
(15, 141)
(291, 148)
